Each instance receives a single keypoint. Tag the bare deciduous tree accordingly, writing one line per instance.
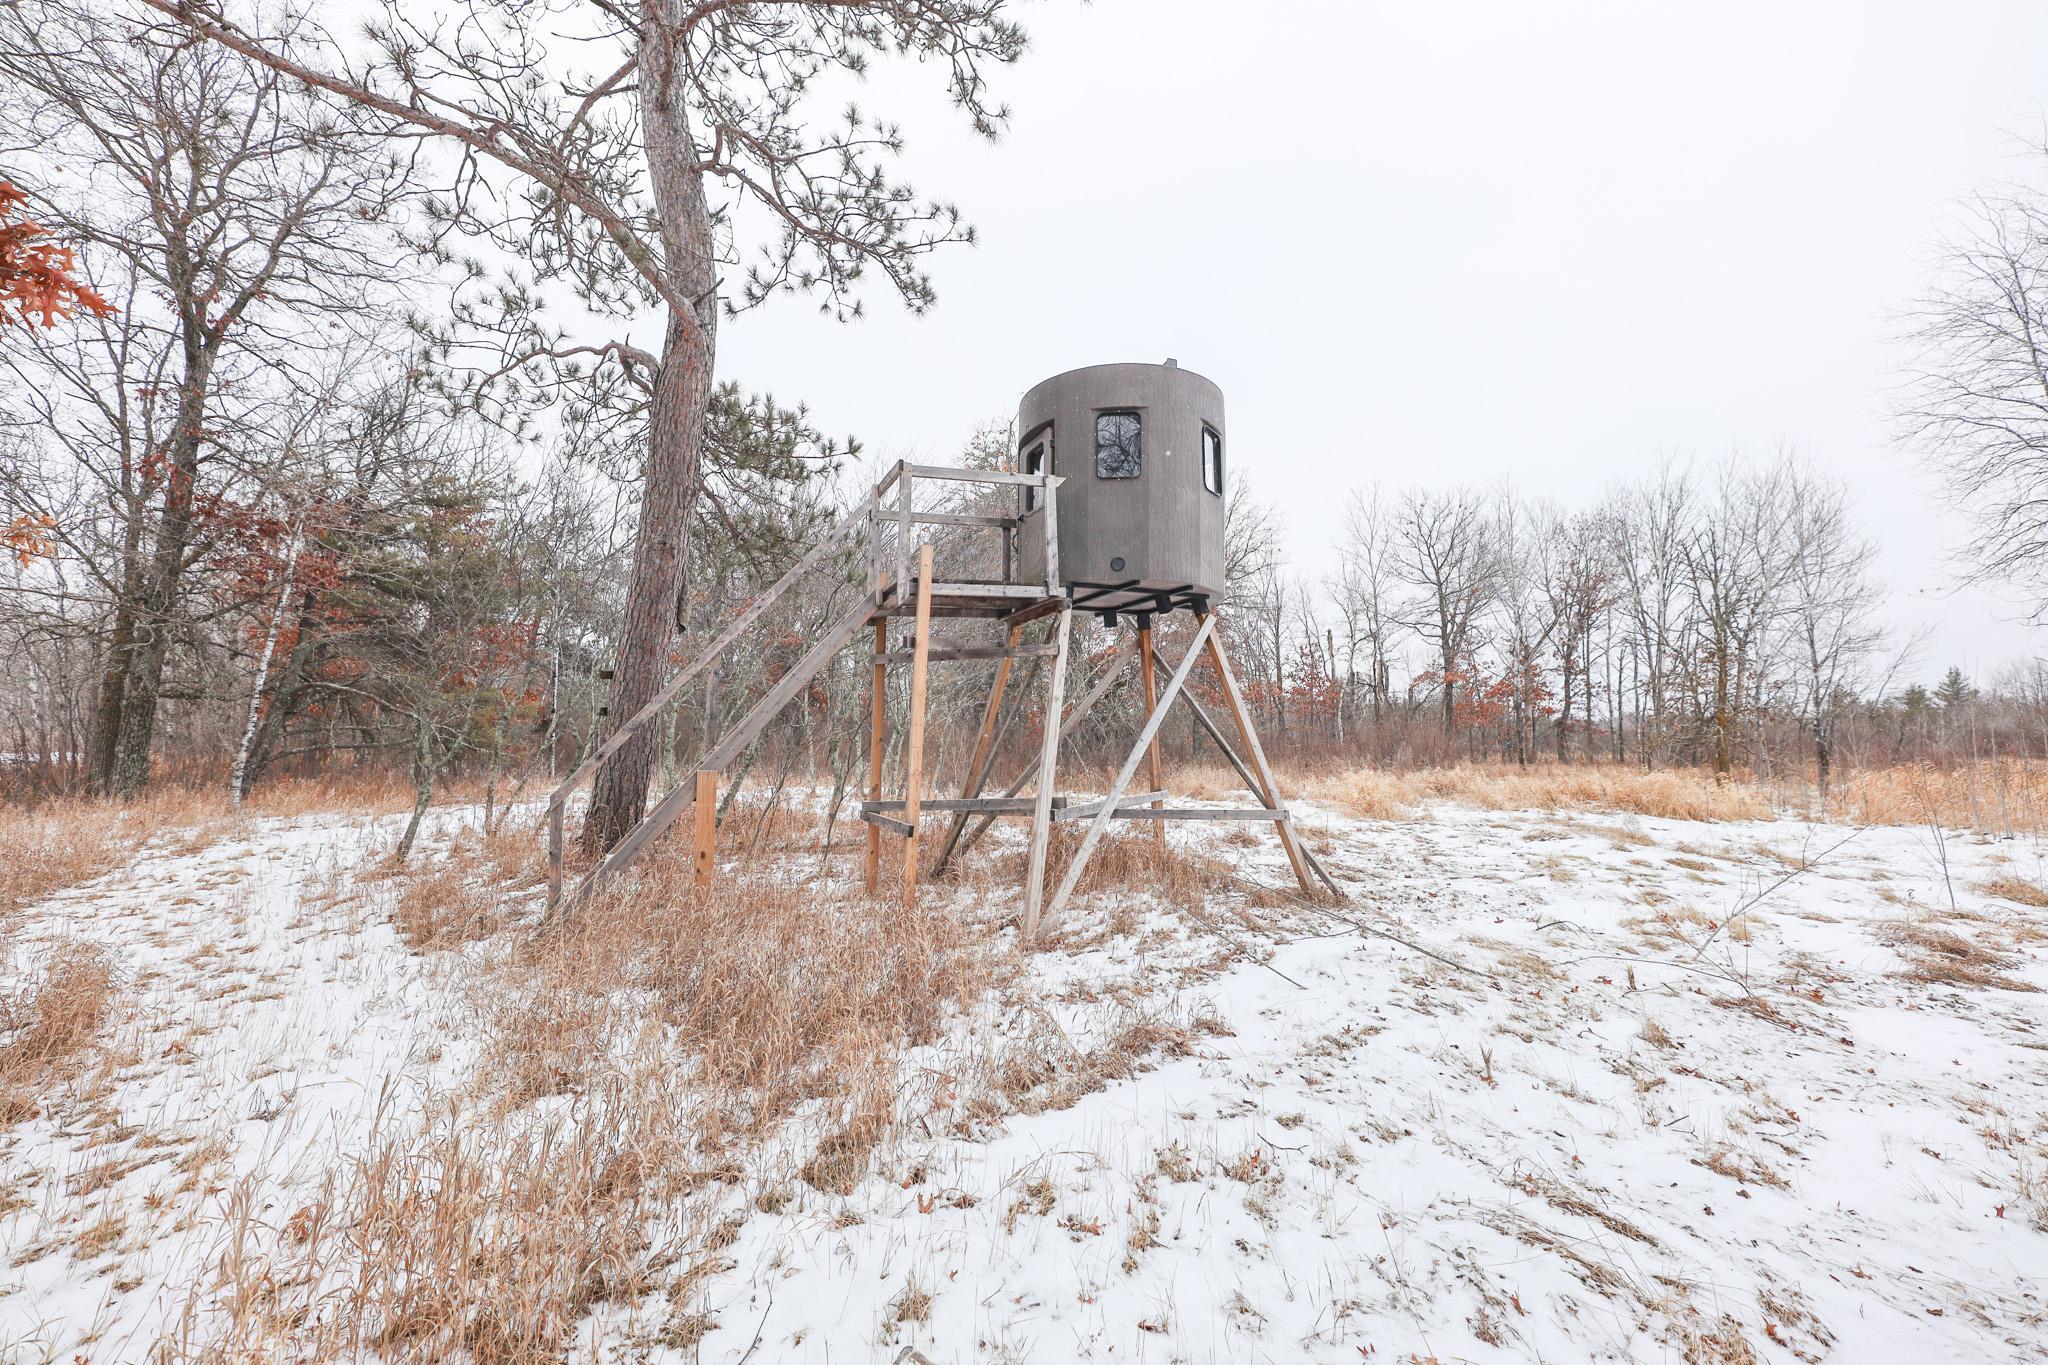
(641, 206)
(1979, 407)
(1445, 553)
(230, 216)
(1831, 609)
(1364, 588)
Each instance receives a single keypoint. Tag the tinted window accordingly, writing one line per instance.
(1118, 449)
(1212, 460)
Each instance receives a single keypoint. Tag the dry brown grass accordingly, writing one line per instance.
(469, 1239)
(678, 1032)
(48, 1021)
(53, 844)
(1938, 956)
(635, 1059)
(2006, 796)
(462, 896)
(778, 990)
(1671, 794)
(2018, 890)
(2003, 796)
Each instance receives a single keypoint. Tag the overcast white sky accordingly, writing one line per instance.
(1550, 243)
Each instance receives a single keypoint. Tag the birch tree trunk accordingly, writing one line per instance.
(237, 782)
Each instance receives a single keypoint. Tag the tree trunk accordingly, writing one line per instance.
(675, 435)
(105, 732)
(238, 779)
(1564, 710)
(1824, 756)
(164, 578)
(424, 770)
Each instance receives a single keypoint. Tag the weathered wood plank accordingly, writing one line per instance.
(799, 676)
(1048, 765)
(920, 674)
(983, 756)
(948, 654)
(903, 510)
(949, 472)
(879, 822)
(878, 721)
(1198, 813)
(704, 854)
(995, 728)
(962, 519)
(1151, 704)
(1003, 805)
(1021, 591)
(710, 653)
(1087, 810)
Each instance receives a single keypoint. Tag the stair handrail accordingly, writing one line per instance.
(558, 799)
(869, 514)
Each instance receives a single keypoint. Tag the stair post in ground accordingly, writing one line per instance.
(704, 855)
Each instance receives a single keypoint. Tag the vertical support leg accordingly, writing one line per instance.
(984, 745)
(878, 735)
(1146, 666)
(1048, 767)
(705, 855)
(1268, 793)
(913, 765)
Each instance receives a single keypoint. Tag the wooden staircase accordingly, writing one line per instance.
(899, 545)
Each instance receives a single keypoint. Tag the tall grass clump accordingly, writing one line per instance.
(49, 1020)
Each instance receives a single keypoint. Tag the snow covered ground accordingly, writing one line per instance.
(1552, 1087)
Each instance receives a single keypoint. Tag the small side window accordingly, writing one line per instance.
(1212, 460)
(1119, 450)
(1035, 460)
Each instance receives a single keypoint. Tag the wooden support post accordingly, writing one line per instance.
(878, 724)
(1048, 766)
(984, 743)
(903, 535)
(1205, 633)
(1053, 586)
(913, 757)
(554, 853)
(1268, 792)
(704, 859)
(1145, 665)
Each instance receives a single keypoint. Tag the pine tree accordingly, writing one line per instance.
(1954, 690)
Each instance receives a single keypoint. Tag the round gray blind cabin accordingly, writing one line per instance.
(1142, 451)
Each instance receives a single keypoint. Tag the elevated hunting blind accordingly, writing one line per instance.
(1119, 511)
(1141, 451)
